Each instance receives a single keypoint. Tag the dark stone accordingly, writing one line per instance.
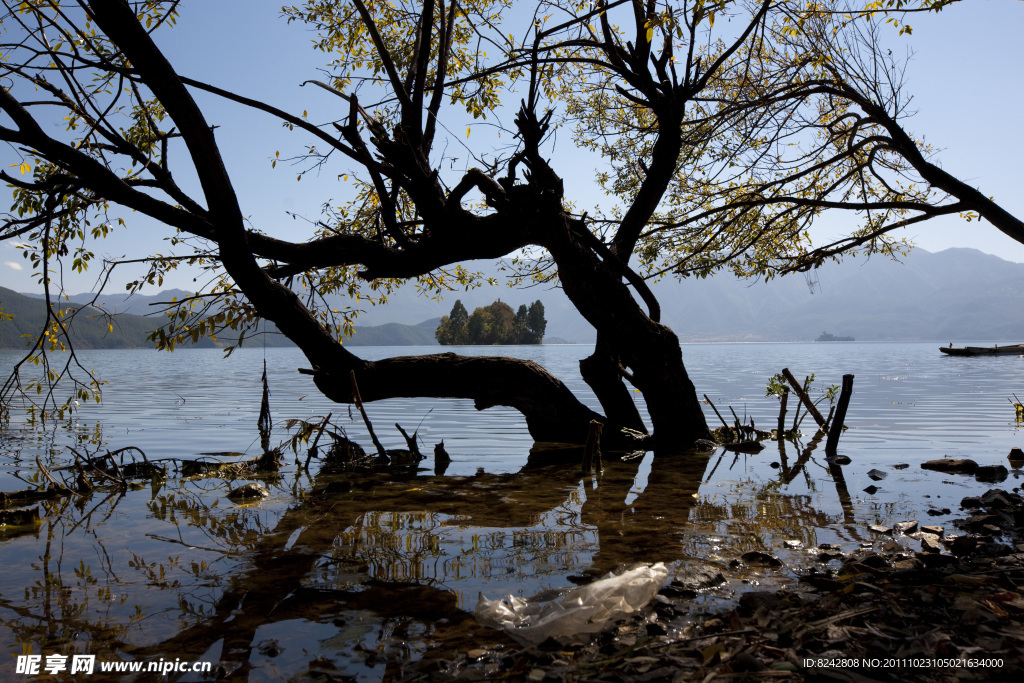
(960, 465)
(871, 490)
(993, 473)
(758, 559)
(873, 560)
(654, 629)
(934, 512)
(248, 492)
(978, 522)
(901, 466)
(936, 560)
(1016, 457)
(770, 600)
(698, 576)
(904, 527)
(877, 475)
(997, 498)
(963, 545)
(879, 529)
(970, 502)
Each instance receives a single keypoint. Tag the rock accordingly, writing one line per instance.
(879, 529)
(979, 522)
(1016, 457)
(871, 490)
(793, 544)
(936, 512)
(769, 600)
(877, 475)
(958, 465)
(934, 530)
(696, 577)
(963, 545)
(908, 565)
(904, 527)
(248, 492)
(756, 558)
(936, 560)
(873, 560)
(971, 502)
(930, 543)
(901, 466)
(838, 460)
(991, 473)
(997, 498)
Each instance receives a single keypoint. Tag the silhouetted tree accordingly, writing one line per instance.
(721, 143)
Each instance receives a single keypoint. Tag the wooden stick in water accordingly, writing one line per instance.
(369, 427)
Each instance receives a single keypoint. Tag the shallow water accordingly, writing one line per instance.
(359, 572)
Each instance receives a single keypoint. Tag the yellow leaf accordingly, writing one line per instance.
(24, 168)
(467, 131)
(711, 18)
(650, 34)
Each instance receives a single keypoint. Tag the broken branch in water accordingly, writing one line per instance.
(840, 416)
(382, 454)
(805, 399)
(319, 433)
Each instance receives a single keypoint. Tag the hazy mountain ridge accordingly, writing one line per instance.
(951, 295)
(89, 329)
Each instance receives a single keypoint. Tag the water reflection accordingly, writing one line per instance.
(362, 571)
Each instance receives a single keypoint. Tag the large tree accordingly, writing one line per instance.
(719, 143)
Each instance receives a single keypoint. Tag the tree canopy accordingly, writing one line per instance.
(724, 130)
(493, 324)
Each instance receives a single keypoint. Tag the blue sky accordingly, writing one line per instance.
(965, 79)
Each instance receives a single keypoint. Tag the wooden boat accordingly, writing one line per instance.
(1011, 350)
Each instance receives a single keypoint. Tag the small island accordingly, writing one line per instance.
(825, 336)
(494, 324)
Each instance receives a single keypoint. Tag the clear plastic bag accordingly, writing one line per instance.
(571, 612)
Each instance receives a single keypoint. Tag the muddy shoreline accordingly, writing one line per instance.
(922, 607)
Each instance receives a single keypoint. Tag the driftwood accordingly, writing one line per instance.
(319, 433)
(783, 400)
(724, 423)
(840, 416)
(383, 454)
(592, 451)
(805, 399)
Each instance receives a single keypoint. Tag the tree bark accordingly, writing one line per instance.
(649, 349)
(602, 371)
(552, 412)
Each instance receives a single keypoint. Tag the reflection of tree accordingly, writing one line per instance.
(381, 541)
(63, 610)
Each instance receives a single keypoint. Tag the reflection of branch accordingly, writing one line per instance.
(191, 546)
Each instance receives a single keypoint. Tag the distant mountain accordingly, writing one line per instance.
(396, 334)
(89, 329)
(956, 294)
(953, 295)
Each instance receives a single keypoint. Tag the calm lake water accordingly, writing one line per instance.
(158, 571)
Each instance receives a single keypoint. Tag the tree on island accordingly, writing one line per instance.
(494, 324)
(725, 129)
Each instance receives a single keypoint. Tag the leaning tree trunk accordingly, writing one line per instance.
(649, 350)
(602, 371)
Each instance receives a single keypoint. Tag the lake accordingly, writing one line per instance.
(321, 564)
